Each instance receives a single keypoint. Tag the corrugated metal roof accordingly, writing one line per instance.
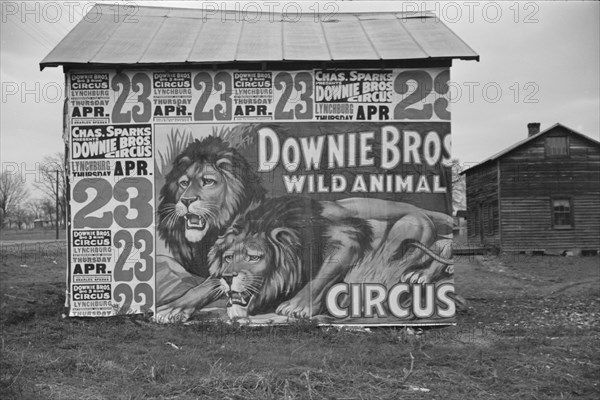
(527, 140)
(156, 35)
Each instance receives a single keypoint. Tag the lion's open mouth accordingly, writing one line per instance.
(193, 221)
(237, 305)
(238, 299)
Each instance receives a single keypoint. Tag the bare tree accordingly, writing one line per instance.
(48, 208)
(50, 165)
(12, 193)
(36, 208)
(22, 215)
(459, 186)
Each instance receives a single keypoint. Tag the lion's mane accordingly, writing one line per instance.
(244, 189)
(291, 231)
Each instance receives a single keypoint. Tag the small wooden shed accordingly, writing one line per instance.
(540, 195)
(181, 122)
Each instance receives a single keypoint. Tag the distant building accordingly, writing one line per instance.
(460, 219)
(42, 223)
(540, 195)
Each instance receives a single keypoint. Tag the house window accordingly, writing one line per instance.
(562, 213)
(557, 146)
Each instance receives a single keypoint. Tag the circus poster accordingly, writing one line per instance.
(261, 197)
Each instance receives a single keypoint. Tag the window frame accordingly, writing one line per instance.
(568, 147)
(571, 213)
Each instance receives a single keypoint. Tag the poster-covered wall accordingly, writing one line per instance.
(261, 196)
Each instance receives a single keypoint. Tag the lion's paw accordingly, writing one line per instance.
(295, 308)
(418, 277)
(427, 275)
(169, 315)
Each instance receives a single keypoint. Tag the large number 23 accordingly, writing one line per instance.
(143, 271)
(141, 83)
(104, 193)
(425, 85)
(142, 292)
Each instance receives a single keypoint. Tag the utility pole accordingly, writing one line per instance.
(57, 172)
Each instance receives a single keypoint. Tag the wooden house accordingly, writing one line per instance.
(540, 195)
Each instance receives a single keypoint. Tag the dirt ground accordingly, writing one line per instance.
(530, 287)
(531, 329)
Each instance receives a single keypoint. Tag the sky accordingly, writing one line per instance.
(539, 62)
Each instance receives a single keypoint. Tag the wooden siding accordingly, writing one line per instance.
(527, 172)
(529, 180)
(482, 195)
(527, 225)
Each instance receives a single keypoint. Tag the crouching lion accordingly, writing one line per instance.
(285, 253)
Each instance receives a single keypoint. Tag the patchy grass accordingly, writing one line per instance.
(32, 234)
(531, 332)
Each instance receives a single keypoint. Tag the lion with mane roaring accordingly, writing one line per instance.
(209, 184)
(289, 250)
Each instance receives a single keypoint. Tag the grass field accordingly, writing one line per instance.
(32, 234)
(532, 331)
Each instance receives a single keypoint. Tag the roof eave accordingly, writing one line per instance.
(517, 145)
(385, 62)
